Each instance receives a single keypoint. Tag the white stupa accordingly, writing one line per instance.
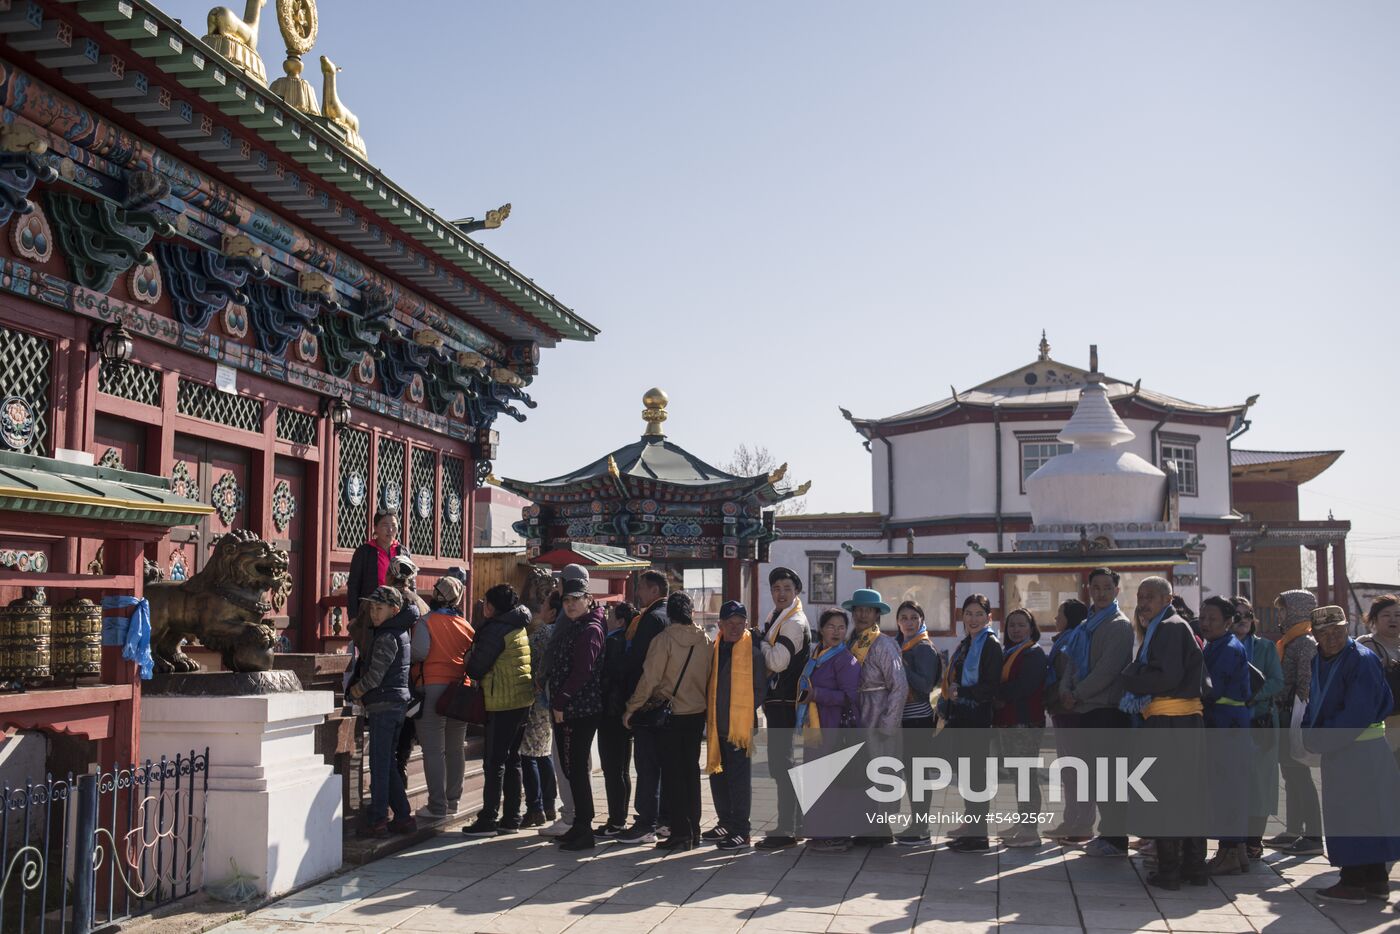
(1100, 481)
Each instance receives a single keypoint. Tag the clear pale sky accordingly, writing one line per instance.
(774, 209)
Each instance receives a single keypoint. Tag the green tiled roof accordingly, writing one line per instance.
(51, 487)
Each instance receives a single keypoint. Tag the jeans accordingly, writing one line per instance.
(540, 788)
(504, 731)
(1078, 815)
(385, 783)
(615, 751)
(444, 759)
(680, 778)
(731, 789)
(575, 745)
(648, 759)
(1113, 815)
(783, 718)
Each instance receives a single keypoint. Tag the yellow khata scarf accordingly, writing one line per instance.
(637, 620)
(740, 703)
(1173, 707)
(860, 647)
(1294, 631)
(776, 629)
(920, 636)
(1011, 660)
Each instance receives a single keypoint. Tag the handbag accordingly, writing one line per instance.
(659, 715)
(464, 701)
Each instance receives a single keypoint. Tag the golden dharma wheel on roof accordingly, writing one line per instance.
(654, 414)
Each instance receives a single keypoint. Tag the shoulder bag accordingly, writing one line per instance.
(658, 715)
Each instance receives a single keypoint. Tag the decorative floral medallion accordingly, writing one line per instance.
(424, 502)
(364, 370)
(307, 347)
(355, 489)
(392, 498)
(32, 237)
(284, 505)
(112, 457)
(144, 283)
(235, 321)
(459, 405)
(730, 508)
(415, 389)
(226, 498)
(17, 422)
(452, 508)
(181, 483)
(26, 561)
(179, 568)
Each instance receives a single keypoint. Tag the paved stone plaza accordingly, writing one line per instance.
(522, 884)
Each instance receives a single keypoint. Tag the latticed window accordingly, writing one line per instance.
(352, 519)
(133, 382)
(200, 401)
(25, 362)
(1036, 451)
(389, 485)
(296, 427)
(453, 507)
(422, 506)
(1183, 455)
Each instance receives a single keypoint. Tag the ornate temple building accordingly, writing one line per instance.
(1019, 486)
(657, 502)
(202, 277)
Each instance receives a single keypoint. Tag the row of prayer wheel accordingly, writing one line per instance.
(39, 642)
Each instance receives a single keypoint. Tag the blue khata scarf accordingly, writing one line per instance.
(804, 683)
(133, 634)
(973, 662)
(1135, 703)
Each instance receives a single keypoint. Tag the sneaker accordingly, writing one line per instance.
(1147, 848)
(912, 839)
(1101, 847)
(1283, 841)
(675, 844)
(482, 827)
(781, 842)
(1072, 840)
(662, 831)
(1025, 837)
(970, 845)
(1254, 852)
(732, 841)
(874, 842)
(551, 815)
(453, 808)
(608, 831)
(714, 834)
(1347, 894)
(1378, 890)
(533, 819)
(430, 815)
(403, 825)
(1170, 883)
(1305, 846)
(505, 829)
(556, 829)
(375, 831)
(636, 834)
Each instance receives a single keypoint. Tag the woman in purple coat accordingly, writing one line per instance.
(828, 698)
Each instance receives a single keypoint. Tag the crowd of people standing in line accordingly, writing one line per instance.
(654, 689)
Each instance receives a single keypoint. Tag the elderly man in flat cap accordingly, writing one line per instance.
(1345, 723)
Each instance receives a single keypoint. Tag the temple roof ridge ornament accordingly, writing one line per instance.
(236, 39)
(298, 23)
(1044, 347)
(654, 401)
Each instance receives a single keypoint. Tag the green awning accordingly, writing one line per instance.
(45, 486)
(598, 557)
(908, 562)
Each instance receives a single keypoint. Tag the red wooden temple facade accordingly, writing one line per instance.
(308, 342)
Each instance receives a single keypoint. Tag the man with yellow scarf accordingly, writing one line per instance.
(738, 682)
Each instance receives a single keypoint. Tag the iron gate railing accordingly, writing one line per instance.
(86, 851)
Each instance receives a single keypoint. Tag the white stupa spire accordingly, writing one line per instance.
(1095, 424)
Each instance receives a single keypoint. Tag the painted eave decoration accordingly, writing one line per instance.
(57, 488)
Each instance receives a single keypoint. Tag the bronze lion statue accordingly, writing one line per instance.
(224, 606)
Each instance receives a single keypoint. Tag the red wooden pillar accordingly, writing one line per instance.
(1323, 589)
(733, 579)
(123, 556)
(1340, 590)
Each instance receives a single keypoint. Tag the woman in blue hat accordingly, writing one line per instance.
(883, 684)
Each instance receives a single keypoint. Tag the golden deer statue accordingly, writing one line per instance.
(237, 39)
(336, 112)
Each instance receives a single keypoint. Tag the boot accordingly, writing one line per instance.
(1230, 859)
(1168, 874)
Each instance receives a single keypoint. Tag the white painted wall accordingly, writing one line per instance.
(951, 471)
(793, 553)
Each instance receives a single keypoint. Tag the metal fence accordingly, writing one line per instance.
(86, 851)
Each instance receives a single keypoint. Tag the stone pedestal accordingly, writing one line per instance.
(274, 806)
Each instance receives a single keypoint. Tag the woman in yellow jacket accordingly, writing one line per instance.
(675, 678)
(441, 641)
